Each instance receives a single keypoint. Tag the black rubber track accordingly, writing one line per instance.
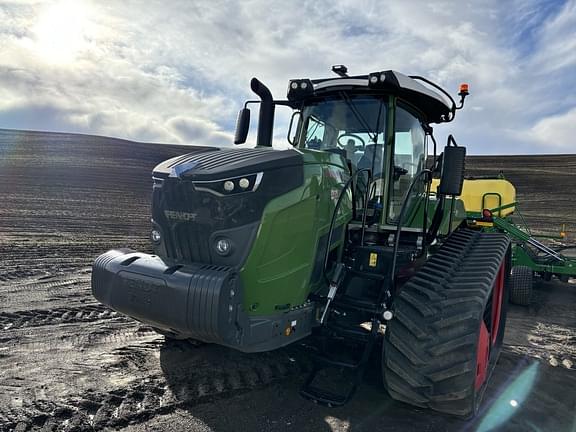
(521, 282)
(430, 347)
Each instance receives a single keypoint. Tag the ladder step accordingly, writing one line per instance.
(367, 275)
(326, 398)
(355, 332)
(347, 302)
(325, 361)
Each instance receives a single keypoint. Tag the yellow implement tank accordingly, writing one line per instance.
(479, 194)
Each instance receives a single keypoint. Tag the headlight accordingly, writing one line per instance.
(156, 236)
(223, 246)
(244, 183)
(230, 186)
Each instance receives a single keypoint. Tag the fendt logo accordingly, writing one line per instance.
(179, 215)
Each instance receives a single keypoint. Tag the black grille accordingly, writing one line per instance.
(192, 242)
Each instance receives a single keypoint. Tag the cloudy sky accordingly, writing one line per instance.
(178, 71)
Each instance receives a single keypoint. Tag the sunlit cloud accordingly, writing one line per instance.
(179, 72)
(61, 31)
(558, 129)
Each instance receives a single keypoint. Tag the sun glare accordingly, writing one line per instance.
(61, 31)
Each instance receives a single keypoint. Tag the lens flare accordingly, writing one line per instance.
(510, 399)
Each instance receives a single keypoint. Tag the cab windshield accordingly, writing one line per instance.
(352, 126)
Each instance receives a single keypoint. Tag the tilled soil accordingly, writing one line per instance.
(68, 363)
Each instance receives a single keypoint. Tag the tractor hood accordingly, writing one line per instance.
(218, 193)
(218, 163)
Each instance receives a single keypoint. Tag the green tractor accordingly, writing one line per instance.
(337, 239)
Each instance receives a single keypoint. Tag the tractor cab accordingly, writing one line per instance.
(379, 124)
(376, 134)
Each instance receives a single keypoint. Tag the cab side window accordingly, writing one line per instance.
(409, 160)
(315, 133)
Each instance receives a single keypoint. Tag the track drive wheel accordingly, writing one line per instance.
(445, 338)
(521, 282)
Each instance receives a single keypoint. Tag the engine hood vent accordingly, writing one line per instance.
(212, 163)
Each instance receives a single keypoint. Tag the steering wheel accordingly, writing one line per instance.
(355, 137)
(410, 165)
(399, 172)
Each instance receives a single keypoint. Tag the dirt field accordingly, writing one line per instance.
(67, 363)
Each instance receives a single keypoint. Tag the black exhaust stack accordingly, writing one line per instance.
(266, 119)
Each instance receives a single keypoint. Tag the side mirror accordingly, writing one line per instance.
(453, 167)
(242, 126)
(292, 137)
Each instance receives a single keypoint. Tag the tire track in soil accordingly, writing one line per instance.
(61, 315)
(101, 336)
(48, 268)
(6, 276)
(35, 293)
(143, 400)
(103, 351)
(37, 284)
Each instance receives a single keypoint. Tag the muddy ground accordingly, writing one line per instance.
(67, 363)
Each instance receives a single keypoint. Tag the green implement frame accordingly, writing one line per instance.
(527, 251)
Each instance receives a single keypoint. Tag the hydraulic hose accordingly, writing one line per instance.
(399, 227)
(335, 213)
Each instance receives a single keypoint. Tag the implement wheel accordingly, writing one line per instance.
(445, 338)
(521, 285)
